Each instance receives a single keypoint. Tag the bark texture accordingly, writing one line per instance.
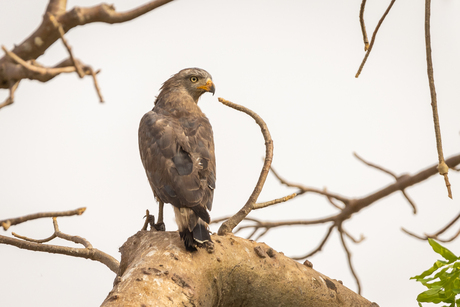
(156, 270)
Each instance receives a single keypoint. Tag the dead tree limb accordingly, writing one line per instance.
(155, 269)
(88, 252)
(20, 63)
(443, 169)
(374, 35)
(233, 221)
(349, 207)
(18, 220)
(363, 25)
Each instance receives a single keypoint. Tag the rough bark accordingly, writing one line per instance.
(156, 270)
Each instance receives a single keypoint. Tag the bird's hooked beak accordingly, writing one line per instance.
(208, 87)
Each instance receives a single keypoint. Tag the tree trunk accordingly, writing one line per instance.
(156, 270)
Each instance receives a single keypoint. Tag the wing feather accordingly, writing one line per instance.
(178, 156)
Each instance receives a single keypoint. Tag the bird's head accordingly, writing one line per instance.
(195, 81)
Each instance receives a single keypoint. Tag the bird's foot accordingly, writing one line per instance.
(158, 226)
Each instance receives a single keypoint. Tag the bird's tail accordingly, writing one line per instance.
(200, 232)
(192, 229)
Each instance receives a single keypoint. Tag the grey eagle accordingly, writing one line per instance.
(177, 150)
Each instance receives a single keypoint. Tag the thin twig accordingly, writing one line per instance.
(96, 85)
(93, 253)
(275, 201)
(411, 203)
(10, 98)
(263, 233)
(363, 26)
(57, 234)
(18, 220)
(448, 225)
(232, 222)
(442, 166)
(437, 234)
(320, 247)
(350, 264)
(450, 239)
(37, 69)
(375, 166)
(373, 38)
(331, 200)
(398, 178)
(53, 236)
(357, 241)
(303, 189)
(60, 29)
(413, 234)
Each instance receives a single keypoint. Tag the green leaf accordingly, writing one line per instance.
(438, 264)
(430, 296)
(438, 248)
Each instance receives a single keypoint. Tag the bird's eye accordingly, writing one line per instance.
(194, 79)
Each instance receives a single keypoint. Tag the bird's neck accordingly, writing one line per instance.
(177, 103)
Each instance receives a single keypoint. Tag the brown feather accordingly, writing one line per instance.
(177, 150)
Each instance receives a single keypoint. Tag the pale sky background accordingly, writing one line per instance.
(292, 62)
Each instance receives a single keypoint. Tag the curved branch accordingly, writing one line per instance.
(274, 202)
(437, 234)
(350, 264)
(232, 222)
(363, 26)
(373, 38)
(36, 245)
(87, 253)
(320, 247)
(18, 220)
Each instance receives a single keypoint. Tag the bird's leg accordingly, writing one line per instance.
(160, 226)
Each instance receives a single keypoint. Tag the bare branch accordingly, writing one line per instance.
(10, 98)
(363, 26)
(409, 200)
(96, 85)
(350, 264)
(39, 41)
(357, 241)
(275, 201)
(46, 72)
(93, 253)
(331, 200)
(413, 234)
(373, 38)
(437, 234)
(60, 29)
(414, 209)
(34, 240)
(304, 189)
(36, 245)
(232, 222)
(18, 220)
(442, 166)
(375, 166)
(320, 247)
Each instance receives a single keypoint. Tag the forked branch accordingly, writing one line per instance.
(87, 252)
(374, 35)
(18, 220)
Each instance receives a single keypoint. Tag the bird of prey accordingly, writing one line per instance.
(177, 150)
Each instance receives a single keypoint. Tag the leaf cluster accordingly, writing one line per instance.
(442, 279)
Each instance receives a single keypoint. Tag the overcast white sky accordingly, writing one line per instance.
(293, 62)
